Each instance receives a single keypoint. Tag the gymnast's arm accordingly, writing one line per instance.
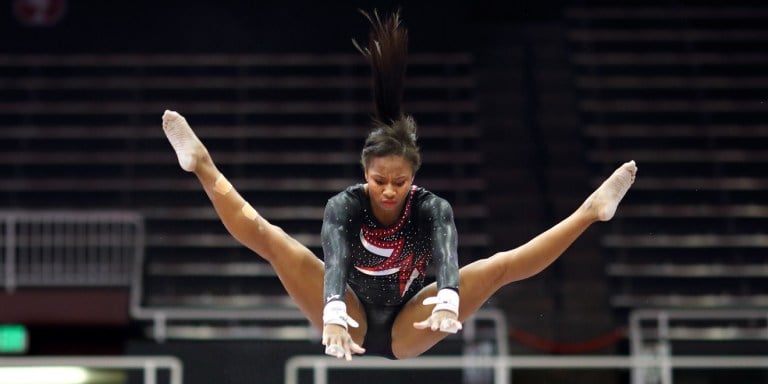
(444, 244)
(337, 221)
(336, 249)
(438, 215)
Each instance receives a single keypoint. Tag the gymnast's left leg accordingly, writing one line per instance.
(479, 280)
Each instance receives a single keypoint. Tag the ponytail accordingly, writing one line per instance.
(387, 53)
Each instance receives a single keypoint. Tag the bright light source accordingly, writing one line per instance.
(43, 375)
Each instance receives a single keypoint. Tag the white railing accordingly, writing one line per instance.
(661, 329)
(160, 318)
(650, 361)
(320, 365)
(652, 332)
(69, 248)
(499, 322)
(470, 334)
(149, 365)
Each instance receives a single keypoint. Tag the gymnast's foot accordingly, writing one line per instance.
(605, 199)
(188, 147)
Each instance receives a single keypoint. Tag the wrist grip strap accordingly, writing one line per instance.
(335, 312)
(446, 300)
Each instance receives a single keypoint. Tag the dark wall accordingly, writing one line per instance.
(94, 26)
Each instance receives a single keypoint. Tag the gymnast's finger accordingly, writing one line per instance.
(334, 350)
(356, 348)
(422, 324)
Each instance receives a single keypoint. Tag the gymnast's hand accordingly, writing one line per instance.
(445, 321)
(445, 314)
(338, 342)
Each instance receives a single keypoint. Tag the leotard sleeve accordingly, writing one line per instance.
(336, 229)
(439, 218)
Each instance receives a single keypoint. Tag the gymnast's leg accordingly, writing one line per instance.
(482, 278)
(299, 270)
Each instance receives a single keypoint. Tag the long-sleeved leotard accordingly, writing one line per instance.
(386, 265)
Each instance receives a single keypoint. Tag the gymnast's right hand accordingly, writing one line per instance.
(336, 338)
(338, 343)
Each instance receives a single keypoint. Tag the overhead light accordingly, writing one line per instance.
(43, 375)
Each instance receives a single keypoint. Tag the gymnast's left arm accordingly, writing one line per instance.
(445, 314)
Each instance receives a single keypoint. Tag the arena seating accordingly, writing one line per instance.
(84, 132)
(680, 89)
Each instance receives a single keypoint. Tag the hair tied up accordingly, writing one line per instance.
(387, 54)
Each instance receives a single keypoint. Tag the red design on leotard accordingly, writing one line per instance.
(400, 258)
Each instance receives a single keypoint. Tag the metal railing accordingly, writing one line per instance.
(650, 361)
(149, 365)
(160, 319)
(656, 340)
(502, 364)
(69, 248)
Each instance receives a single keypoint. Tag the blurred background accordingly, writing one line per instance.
(109, 250)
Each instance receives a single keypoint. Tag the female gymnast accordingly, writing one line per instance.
(379, 236)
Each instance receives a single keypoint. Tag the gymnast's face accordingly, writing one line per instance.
(388, 180)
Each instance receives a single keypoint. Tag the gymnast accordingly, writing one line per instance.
(379, 237)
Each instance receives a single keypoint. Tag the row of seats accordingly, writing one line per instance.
(680, 89)
(83, 132)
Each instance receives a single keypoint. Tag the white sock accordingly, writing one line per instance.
(609, 194)
(182, 138)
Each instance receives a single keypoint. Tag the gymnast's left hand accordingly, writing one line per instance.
(444, 321)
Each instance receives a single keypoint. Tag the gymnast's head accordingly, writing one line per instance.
(393, 133)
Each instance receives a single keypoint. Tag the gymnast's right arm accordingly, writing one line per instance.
(336, 250)
(337, 255)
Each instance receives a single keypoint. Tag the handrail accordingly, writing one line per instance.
(663, 332)
(499, 320)
(501, 364)
(662, 318)
(97, 247)
(639, 362)
(161, 316)
(149, 364)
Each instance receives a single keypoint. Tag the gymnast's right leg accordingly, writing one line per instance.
(299, 270)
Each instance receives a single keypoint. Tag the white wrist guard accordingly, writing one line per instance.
(446, 300)
(335, 312)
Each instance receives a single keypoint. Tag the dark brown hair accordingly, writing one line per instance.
(394, 133)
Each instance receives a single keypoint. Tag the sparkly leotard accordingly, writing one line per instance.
(386, 265)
